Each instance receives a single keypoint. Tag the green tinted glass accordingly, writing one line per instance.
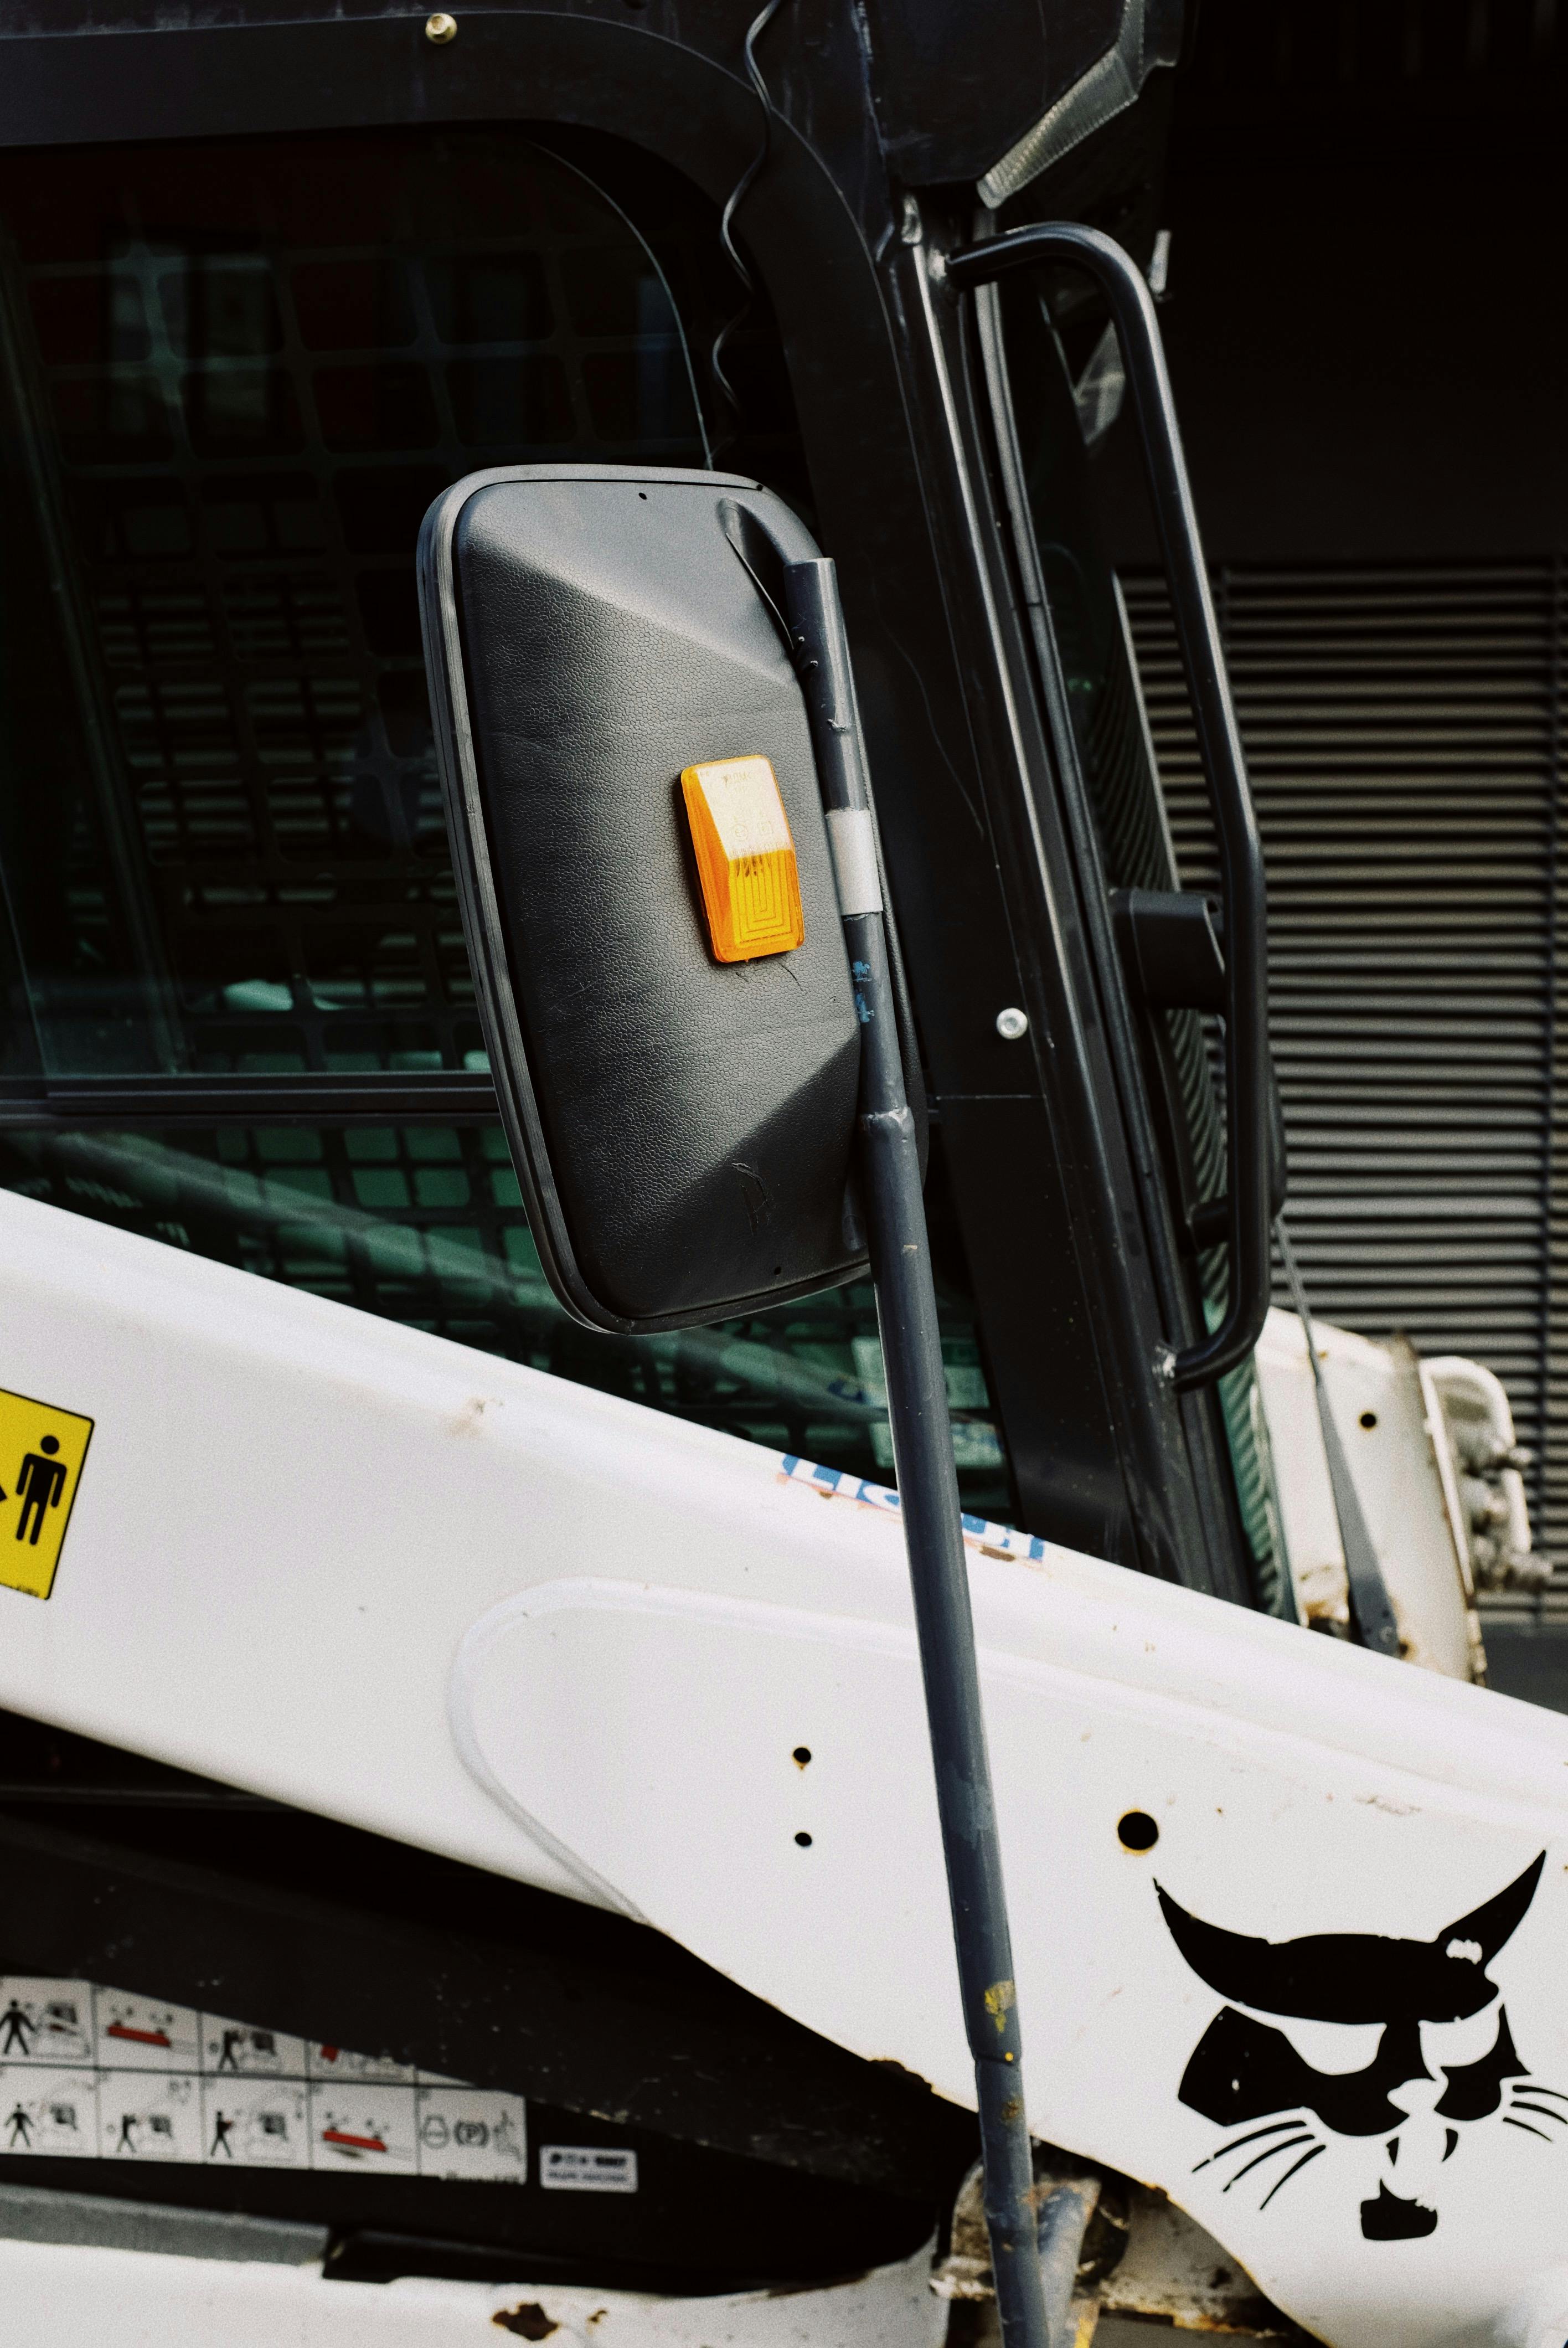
(238, 377)
(232, 377)
(423, 1224)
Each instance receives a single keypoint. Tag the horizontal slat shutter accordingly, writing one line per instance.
(1403, 728)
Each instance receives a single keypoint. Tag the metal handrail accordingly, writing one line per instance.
(1248, 1079)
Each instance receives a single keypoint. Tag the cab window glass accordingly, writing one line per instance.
(233, 376)
(242, 374)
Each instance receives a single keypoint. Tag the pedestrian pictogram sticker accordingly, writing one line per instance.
(42, 1449)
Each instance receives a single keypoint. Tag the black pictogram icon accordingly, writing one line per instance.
(40, 1482)
(220, 2136)
(21, 2129)
(19, 2027)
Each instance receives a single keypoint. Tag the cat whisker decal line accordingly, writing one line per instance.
(1253, 2135)
(1250, 2073)
(1316, 2152)
(1289, 2145)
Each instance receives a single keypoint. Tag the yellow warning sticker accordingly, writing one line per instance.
(42, 1449)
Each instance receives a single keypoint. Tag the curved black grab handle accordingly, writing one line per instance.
(1225, 768)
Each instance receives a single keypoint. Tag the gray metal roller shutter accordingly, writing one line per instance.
(1404, 729)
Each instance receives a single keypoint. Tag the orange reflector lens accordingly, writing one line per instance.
(746, 858)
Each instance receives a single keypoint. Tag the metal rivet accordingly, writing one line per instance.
(1011, 1023)
(441, 28)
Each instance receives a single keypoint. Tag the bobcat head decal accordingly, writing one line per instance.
(1442, 2060)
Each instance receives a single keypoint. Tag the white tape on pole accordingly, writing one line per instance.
(854, 846)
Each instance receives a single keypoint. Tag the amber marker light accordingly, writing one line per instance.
(746, 858)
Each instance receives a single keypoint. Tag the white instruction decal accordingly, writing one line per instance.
(94, 2072)
(587, 2168)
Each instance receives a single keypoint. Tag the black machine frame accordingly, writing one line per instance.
(1061, 1209)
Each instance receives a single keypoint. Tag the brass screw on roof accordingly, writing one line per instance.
(441, 28)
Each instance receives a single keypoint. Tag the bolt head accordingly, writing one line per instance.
(441, 28)
(1011, 1023)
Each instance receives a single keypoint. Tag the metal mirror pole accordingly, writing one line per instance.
(923, 1455)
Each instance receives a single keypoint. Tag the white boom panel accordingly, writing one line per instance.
(476, 1608)
(76, 2298)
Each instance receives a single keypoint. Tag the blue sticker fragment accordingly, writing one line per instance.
(836, 1483)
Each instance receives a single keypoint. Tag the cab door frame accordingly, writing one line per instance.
(1053, 1206)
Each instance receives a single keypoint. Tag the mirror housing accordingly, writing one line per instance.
(682, 1127)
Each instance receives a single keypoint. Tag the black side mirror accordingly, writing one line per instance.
(681, 1125)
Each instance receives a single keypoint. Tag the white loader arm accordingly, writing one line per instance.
(1289, 1918)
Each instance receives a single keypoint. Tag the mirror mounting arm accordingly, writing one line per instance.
(923, 1457)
